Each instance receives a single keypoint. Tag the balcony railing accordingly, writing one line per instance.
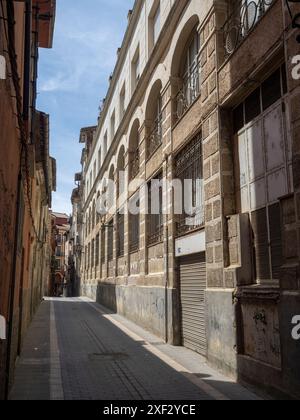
(155, 138)
(240, 23)
(189, 92)
(134, 164)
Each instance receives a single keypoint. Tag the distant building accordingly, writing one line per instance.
(75, 241)
(61, 229)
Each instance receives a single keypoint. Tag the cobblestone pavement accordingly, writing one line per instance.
(77, 350)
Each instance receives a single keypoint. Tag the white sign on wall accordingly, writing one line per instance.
(191, 244)
(2, 67)
(2, 328)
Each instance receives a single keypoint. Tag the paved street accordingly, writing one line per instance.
(77, 350)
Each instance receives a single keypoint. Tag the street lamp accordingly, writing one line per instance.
(296, 18)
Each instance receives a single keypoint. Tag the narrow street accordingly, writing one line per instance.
(76, 350)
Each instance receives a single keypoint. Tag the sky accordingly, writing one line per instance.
(73, 79)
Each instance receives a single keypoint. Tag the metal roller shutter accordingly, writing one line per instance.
(192, 290)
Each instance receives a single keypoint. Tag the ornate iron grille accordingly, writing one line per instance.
(188, 166)
(190, 90)
(135, 164)
(155, 221)
(155, 138)
(121, 233)
(243, 19)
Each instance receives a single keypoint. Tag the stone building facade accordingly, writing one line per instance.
(202, 90)
(27, 175)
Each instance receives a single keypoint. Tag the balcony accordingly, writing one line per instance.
(155, 138)
(242, 20)
(189, 92)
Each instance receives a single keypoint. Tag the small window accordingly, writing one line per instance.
(135, 69)
(95, 171)
(238, 118)
(99, 160)
(105, 144)
(121, 235)
(113, 125)
(252, 106)
(271, 90)
(122, 102)
(154, 25)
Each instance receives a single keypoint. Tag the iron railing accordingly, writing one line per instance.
(155, 138)
(134, 164)
(190, 90)
(242, 20)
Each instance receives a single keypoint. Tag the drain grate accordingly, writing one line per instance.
(107, 357)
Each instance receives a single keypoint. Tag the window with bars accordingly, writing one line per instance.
(93, 254)
(121, 235)
(191, 71)
(189, 169)
(155, 210)
(134, 229)
(97, 256)
(89, 255)
(86, 257)
(110, 241)
(156, 135)
(103, 239)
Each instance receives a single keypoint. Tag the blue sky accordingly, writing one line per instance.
(73, 78)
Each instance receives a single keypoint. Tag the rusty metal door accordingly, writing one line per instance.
(192, 270)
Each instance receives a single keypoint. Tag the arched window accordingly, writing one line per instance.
(186, 69)
(154, 117)
(134, 152)
(121, 172)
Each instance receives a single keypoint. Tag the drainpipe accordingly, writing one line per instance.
(167, 286)
(166, 250)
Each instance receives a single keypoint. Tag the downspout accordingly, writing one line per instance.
(166, 250)
(167, 286)
(10, 14)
